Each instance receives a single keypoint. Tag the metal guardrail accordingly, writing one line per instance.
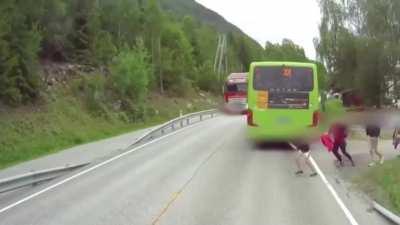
(35, 177)
(385, 212)
(175, 124)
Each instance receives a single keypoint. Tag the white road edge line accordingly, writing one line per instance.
(346, 211)
(91, 169)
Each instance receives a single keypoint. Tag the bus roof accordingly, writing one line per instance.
(277, 63)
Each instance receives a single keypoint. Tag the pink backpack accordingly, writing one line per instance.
(327, 141)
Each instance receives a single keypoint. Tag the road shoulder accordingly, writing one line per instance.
(342, 180)
(87, 153)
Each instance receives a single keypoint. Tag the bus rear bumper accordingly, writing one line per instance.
(282, 134)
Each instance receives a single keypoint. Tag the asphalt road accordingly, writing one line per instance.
(207, 174)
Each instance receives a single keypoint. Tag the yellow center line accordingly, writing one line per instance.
(165, 209)
(177, 194)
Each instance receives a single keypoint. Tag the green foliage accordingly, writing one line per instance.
(85, 24)
(104, 48)
(177, 62)
(154, 19)
(359, 44)
(19, 46)
(286, 51)
(55, 27)
(179, 48)
(93, 88)
(204, 43)
(64, 123)
(322, 76)
(206, 78)
(382, 184)
(122, 19)
(131, 73)
(243, 52)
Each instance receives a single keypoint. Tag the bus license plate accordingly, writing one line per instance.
(284, 121)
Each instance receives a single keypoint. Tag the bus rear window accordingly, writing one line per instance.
(236, 87)
(283, 79)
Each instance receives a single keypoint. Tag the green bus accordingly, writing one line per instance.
(283, 101)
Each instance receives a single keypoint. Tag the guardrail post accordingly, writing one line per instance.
(162, 131)
(201, 117)
(187, 121)
(173, 126)
(181, 123)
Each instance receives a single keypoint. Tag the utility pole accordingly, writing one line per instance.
(221, 59)
(217, 53)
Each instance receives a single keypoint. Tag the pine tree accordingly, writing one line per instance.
(19, 46)
(85, 25)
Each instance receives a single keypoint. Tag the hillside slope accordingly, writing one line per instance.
(201, 13)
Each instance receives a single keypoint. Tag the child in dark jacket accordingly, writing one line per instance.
(339, 133)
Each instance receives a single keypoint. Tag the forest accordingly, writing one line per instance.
(360, 45)
(141, 46)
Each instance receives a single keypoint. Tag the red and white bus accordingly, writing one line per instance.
(235, 92)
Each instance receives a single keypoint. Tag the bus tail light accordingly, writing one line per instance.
(226, 97)
(316, 119)
(250, 119)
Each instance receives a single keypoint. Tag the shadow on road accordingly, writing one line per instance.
(271, 146)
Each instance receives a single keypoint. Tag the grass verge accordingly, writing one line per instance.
(30, 132)
(382, 183)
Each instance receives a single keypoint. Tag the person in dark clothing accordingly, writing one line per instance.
(396, 137)
(374, 132)
(339, 133)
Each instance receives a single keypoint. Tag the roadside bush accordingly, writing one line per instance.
(130, 73)
(93, 90)
(134, 112)
(181, 87)
(206, 79)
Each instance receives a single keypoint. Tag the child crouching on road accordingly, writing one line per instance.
(304, 153)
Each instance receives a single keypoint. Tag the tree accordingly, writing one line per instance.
(206, 42)
(244, 54)
(359, 44)
(97, 32)
(154, 21)
(286, 51)
(206, 80)
(178, 65)
(104, 48)
(85, 25)
(19, 46)
(131, 73)
(54, 24)
(121, 18)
